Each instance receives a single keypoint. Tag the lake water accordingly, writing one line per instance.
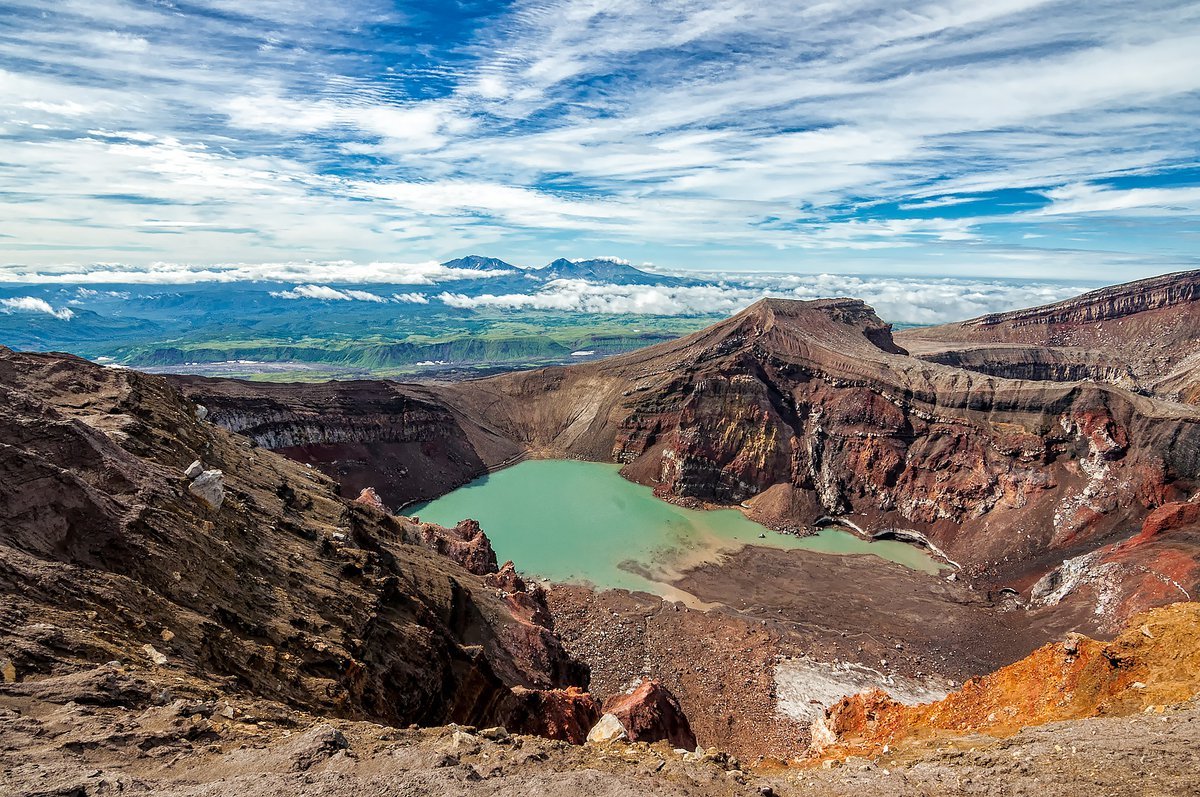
(582, 522)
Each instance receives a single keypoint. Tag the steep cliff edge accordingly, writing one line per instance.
(402, 440)
(1142, 335)
(130, 530)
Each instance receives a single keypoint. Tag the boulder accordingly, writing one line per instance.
(313, 746)
(650, 713)
(608, 729)
(209, 487)
(369, 497)
(193, 470)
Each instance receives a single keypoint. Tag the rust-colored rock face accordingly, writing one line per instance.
(1154, 662)
(465, 543)
(283, 588)
(564, 714)
(650, 713)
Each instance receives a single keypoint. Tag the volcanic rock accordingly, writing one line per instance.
(465, 543)
(209, 487)
(525, 600)
(1083, 678)
(608, 729)
(650, 713)
(564, 714)
(368, 497)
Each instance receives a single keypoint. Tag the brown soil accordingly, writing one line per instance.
(117, 730)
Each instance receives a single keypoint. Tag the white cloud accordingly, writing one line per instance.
(718, 129)
(326, 293)
(32, 304)
(1073, 199)
(410, 298)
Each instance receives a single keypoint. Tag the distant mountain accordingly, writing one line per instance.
(603, 270)
(479, 263)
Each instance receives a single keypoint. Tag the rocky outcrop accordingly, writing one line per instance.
(368, 497)
(1155, 661)
(276, 585)
(648, 712)
(525, 600)
(565, 714)
(465, 543)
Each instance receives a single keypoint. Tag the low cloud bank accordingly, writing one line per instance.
(32, 304)
(899, 300)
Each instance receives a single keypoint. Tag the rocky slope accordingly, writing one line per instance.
(125, 730)
(130, 530)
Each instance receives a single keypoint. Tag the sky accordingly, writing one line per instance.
(1009, 138)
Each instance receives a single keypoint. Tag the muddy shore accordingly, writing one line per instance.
(839, 615)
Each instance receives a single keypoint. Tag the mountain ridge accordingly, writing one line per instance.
(805, 410)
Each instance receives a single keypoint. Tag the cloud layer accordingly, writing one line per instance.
(899, 300)
(427, 273)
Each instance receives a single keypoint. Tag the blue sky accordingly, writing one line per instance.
(1012, 138)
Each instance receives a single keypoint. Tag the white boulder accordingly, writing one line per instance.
(608, 729)
(209, 487)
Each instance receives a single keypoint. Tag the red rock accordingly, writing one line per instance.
(465, 543)
(564, 714)
(526, 601)
(370, 498)
(1175, 515)
(650, 713)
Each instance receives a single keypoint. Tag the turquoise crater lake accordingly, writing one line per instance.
(582, 522)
